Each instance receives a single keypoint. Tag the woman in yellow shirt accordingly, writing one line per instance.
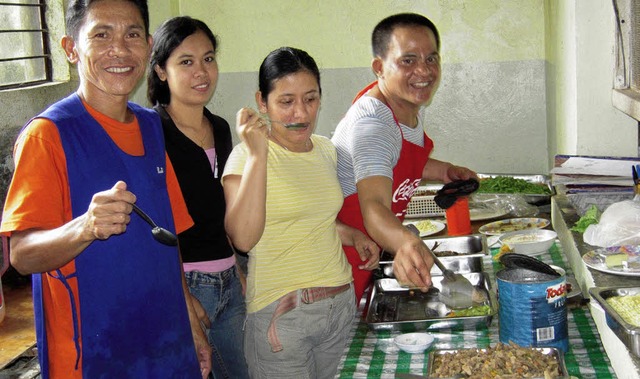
(282, 197)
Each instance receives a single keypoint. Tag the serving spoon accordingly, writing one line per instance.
(291, 125)
(160, 234)
(457, 292)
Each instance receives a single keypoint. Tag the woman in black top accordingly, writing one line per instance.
(181, 81)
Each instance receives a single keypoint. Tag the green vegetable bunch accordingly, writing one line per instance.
(591, 216)
(508, 184)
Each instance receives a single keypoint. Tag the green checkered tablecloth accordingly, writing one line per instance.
(373, 354)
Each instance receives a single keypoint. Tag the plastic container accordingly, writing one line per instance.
(458, 218)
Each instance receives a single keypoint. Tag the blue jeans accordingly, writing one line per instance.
(220, 294)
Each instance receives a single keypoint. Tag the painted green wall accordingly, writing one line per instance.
(337, 32)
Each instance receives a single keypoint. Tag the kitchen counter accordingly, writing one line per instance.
(564, 216)
(373, 354)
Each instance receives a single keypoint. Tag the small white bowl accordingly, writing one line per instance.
(529, 242)
(414, 343)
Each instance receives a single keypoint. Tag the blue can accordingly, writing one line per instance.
(532, 308)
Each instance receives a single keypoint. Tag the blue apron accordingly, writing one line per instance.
(131, 307)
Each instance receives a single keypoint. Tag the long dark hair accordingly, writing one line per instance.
(165, 40)
(282, 62)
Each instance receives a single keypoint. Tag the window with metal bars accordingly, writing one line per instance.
(25, 58)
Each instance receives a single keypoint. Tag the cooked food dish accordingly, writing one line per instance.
(427, 227)
(504, 361)
(628, 307)
(513, 225)
(504, 249)
(476, 310)
(425, 192)
(507, 184)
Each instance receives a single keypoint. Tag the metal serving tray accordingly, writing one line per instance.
(628, 334)
(471, 248)
(559, 356)
(393, 307)
(537, 179)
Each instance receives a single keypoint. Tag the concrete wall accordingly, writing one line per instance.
(580, 67)
(490, 110)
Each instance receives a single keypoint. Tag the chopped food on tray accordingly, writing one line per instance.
(507, 184)
(425, 192)
(477, 310)
(628, 307)
(504, 361)
(450, 253)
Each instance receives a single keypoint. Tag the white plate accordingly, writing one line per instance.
(427, 227)
(596, 259)
(512, 225)
(478, 214)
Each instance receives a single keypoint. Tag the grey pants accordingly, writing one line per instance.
(313, 337)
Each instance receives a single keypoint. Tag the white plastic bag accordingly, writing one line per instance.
(619, 225)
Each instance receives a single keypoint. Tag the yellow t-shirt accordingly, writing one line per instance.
(300, 247)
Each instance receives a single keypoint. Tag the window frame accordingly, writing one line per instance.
(46, 50)
(626, 84)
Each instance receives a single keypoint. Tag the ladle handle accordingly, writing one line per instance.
(445, 271)
(144, 216)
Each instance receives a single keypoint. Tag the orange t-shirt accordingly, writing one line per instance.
(39, 198)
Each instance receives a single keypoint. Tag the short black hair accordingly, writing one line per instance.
(382, 32)
(282, 62)
(77, 11)
(165, 40)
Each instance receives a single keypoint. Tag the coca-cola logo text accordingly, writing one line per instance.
(405, 190)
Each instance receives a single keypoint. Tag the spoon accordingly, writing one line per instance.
(292, 125)
(160, 234)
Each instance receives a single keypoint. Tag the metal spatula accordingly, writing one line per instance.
(456, 292)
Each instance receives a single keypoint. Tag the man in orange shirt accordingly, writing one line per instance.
(110, 298)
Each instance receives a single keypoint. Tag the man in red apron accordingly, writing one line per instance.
(383, 152)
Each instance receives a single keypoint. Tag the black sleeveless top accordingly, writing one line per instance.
(202, 191)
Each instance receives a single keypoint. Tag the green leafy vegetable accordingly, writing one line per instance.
(591, 216)
(479, 310)
(508, 184)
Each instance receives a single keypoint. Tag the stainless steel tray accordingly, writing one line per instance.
(628, 334)
(537, 179)
(559, 356)
(393, 307)
(471, 248)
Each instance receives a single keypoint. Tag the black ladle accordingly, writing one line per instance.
(160, 234)
(515, 260)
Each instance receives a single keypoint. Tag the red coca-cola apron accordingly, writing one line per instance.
(407, 175)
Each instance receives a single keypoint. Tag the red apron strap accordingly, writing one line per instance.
(364, 91)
